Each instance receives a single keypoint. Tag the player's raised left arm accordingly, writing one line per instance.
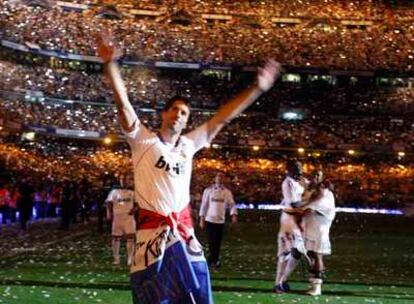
(266, 77)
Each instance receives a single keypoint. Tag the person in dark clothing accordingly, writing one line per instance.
(83, 198)
(25, 202)
(67, 201)
(101, 191)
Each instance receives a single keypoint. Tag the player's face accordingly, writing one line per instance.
(128, 181)
(317, 177)
(219, 178)
(295, 169)
(176, 117)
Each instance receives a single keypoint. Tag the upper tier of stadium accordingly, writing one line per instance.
(358, 35)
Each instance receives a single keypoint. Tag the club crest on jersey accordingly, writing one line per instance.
(177, 168)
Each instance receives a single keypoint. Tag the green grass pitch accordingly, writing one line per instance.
(372, 262)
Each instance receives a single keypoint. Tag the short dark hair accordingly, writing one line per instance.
(326, 183)
(294, 168)
(170, 102)
(221, 172)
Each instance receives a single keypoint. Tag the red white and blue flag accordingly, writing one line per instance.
(169, 265)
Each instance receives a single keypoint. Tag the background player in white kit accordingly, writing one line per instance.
(215, 201)
(317, 214)
(121, 211)
(317, 220)
(169, 264)
(290, 242)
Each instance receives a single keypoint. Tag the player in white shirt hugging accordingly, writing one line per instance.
(290, 242)
(316, 222)
(316, 213)
(121, 211)
(216, 200)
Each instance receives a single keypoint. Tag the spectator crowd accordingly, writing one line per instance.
(53, 174)
(358, 35)
(84, 177)
(150, 87)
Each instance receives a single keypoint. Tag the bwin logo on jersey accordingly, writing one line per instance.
(178, 168)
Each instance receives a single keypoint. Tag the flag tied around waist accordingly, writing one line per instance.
(180, 222)
(169, 265)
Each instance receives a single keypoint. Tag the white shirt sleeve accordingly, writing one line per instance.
(232, 203)
(137, 136)
(288, 191)
(110, 197)
(204, 203)
(135, 130)
(325, 205)
(199, 137)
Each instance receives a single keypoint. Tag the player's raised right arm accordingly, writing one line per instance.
(109, 54)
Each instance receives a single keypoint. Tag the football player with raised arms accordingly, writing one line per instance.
(169, 264)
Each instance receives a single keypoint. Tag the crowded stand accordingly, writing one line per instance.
(149, 87)
(359, 36)
(318, 132)
(371, 10)
(379, 184)
(359, 128)
(380, 115)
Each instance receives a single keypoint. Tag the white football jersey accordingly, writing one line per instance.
(215, 201)
(318, 223)
(324, 207)
(163, 171)
(122, 200)
(292, 191)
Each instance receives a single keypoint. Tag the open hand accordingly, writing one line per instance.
(234, 219)
(202, 224)
(268, 74)
(106, 47)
